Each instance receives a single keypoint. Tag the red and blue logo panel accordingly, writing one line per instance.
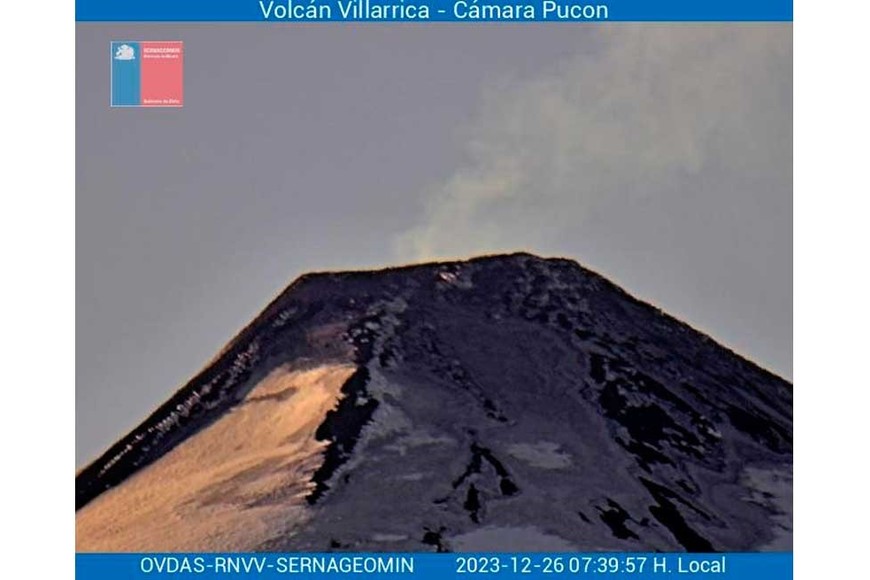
(147, 74)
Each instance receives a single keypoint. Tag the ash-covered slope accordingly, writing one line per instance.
(505, 403)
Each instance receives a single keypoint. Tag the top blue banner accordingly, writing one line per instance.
(433, 10)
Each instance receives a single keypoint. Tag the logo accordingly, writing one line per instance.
(125, 52)
(147, 73)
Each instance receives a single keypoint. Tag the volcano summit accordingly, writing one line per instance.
(503, 403)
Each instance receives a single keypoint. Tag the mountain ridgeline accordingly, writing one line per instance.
(501, 403)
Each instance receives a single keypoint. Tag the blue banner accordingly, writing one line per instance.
(432, 10)
(426, 566)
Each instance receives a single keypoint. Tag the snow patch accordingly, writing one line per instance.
(508, 539)
(544, 454)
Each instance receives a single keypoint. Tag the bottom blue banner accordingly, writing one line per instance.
(423, 566)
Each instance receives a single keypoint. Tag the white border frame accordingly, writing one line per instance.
(831, 284)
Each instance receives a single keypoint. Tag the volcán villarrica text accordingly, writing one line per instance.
(421, 10)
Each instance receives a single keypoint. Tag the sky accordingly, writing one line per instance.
(658, 155)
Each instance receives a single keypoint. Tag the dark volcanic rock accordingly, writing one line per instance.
(507, 402)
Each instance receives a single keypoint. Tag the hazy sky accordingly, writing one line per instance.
(658, 155)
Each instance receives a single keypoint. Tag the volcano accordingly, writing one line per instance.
(502, 403)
